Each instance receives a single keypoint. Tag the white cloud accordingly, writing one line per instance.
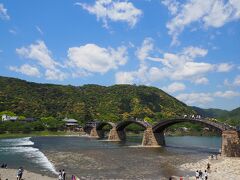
(237, 81)
(38, 52)
(224, 67)
(227, 94)
(195, 98)
(93, 58)
(27, 70)
(143, 52)
(174, 87)
(55, 74)
(172, 5)
(173, 66)
(124, 77)
(204, 98)
(39, 30)
(113, 10)
(181, 65)
(210, 13)
(191, 69)
(139, 76)
(13, 31)
(42, 56)
(156, 74)
(3, 13)
(200, 80)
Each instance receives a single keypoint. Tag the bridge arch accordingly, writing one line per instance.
(102, 124)
(162, 125)
(123, 124)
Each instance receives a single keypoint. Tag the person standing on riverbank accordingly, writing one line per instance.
(63, 175)
(20, 173)
(197, 175)
(205, 175)
(60, 175)
(208, 166)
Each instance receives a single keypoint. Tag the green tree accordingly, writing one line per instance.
(52, 124)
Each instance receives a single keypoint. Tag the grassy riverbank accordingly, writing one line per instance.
(39, 133)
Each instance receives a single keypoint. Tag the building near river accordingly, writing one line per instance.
(71, 124)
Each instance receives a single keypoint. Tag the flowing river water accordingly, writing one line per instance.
(99, 159)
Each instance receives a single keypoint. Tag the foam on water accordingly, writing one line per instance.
(24, 146)
(17, 142)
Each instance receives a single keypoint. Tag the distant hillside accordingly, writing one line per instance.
(213, 113)
(87, 102)
(231, 117)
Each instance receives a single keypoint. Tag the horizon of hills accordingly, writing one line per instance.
(89, 102)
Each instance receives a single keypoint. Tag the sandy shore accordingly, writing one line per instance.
(11, 174)
(221, 169)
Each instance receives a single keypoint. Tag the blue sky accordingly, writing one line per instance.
(190, 49)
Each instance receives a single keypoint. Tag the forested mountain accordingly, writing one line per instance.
(212, 113)
(87, 102)
(231, 117)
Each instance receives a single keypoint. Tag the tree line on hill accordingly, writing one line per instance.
(88, 102)
(91, 102)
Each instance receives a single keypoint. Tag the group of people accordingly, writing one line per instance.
(4, 165)
(20, 173)
(61, 175)
(203, 175)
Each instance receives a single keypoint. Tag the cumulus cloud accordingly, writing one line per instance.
(181, 65)
(26, 69)
(138, 76)
(125, 77)
(237, 81)
(227, 94)
(172, 5)
(113, 10)
(211, 13)
(204, 98)
(224, 67)
(174, 87)
(55, 74)
(38, 52)
(143, 52)
(195, 98)
(93, 58)
(200, 80)
(184, 65)
(42, 56)
(3, 12)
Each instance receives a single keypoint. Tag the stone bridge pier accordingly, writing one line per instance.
(96, 133)
(152, 139)
(115, 135)
(231, 143)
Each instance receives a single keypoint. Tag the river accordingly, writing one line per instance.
(99, 159)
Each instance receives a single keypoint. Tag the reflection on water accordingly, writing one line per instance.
(89, 158)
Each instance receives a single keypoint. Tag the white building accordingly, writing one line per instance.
(71, 124)
(9, 118)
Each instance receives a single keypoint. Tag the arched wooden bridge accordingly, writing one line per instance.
(154, 134)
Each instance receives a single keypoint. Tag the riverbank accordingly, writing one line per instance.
(221, 168)
(41, 133)
(10, 174)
